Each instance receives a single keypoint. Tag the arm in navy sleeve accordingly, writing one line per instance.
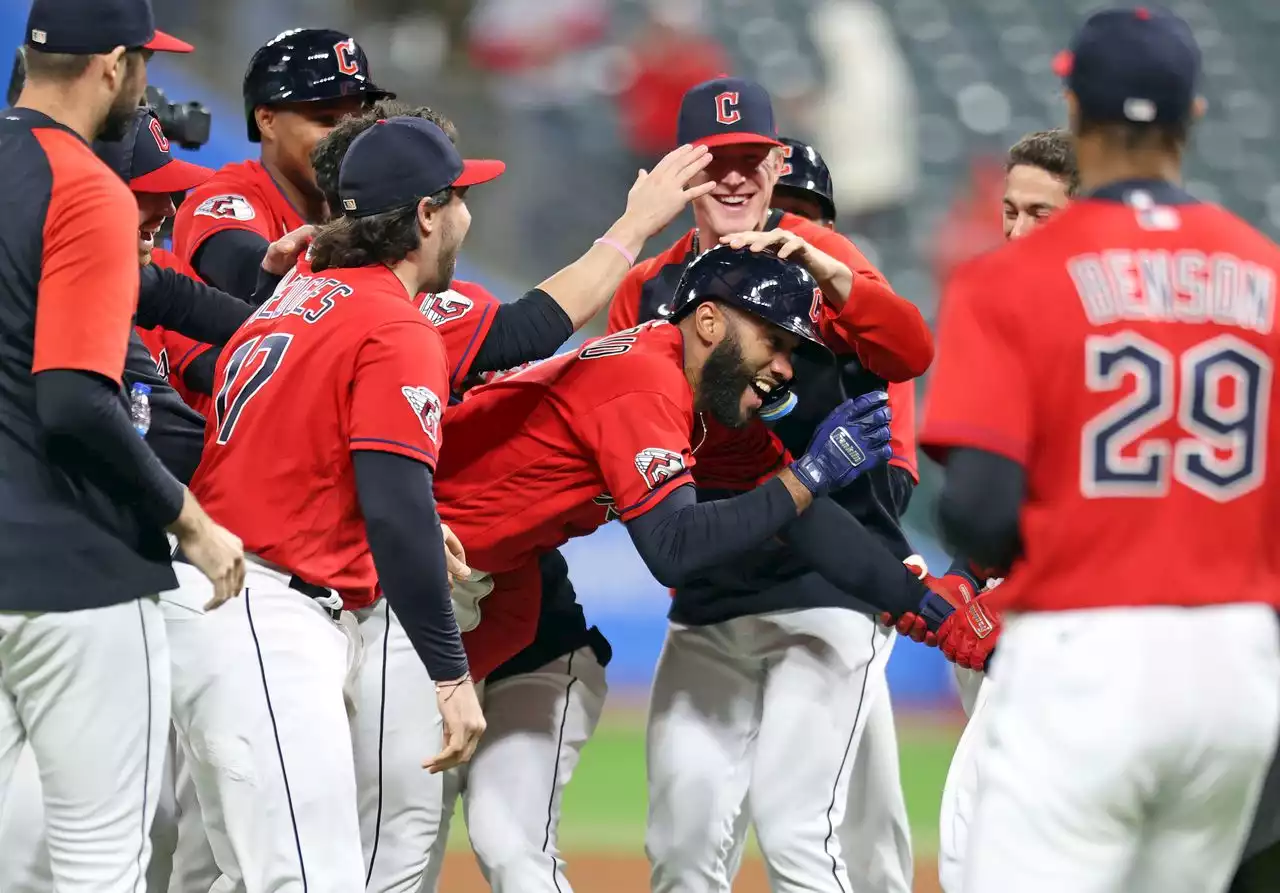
(851, 558)
(230, 260)
(680, 536)
(980, 506)
(199, 373)
(532, 328)
(88, 430)
(902, 485)
(403, 528)
(181, 304)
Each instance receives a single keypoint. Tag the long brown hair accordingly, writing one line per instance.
(385, 238)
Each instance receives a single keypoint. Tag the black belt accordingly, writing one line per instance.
(296, 583)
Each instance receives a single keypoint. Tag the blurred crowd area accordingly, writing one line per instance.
(912, 102)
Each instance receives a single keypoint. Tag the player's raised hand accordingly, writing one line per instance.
(216, 551)
(455, 557)
(852, 439)
(659, 195)
(833, 275)
(463, 723)
(283, 253)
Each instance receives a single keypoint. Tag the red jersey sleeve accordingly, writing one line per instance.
(886, 332)
(88, 289)
(624, 312)
(400, 380)
(737, 460)
(215, 207)
(641, 442)
(463, 315)
(979, 392)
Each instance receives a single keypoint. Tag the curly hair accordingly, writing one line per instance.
(326, 157)
(385, 238)
(1050, 150)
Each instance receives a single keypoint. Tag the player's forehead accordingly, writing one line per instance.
(745, 154)
(325, 109)
(1026, 185)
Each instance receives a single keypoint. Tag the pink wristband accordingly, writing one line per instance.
(605, 240)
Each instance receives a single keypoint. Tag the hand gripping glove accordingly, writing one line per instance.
(968, 637)
(853, 439)
(946, 595)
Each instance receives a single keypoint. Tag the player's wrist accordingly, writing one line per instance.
(190, 517)
(801, 495)
(628, 232)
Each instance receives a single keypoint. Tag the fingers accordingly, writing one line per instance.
(448, 758)
(694, 165)
(699, 191)
(867, 402)
(681, 157)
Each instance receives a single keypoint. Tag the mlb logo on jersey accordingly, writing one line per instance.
(426, 406)
(658, 466)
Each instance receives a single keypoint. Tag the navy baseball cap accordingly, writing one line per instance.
(727, 111)
(400, 160)
(143, 161)
(1140, 65)
(86, 27)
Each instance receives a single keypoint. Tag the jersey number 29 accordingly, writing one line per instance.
(237, 389)
(1222, 456)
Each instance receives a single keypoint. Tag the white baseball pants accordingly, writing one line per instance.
(768, 710)
(1124, 750)
(89, 692)
(261, 712)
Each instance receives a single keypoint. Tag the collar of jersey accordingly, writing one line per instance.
(1162, 192)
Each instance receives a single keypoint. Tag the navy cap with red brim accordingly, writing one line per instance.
(167, 43)
(89, 27)
(727, 111)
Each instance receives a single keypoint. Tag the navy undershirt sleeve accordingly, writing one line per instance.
(230, 260)
(680, 536)
(404, 534)
(532, 328)
(980, 505)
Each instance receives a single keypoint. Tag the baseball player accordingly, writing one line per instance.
(1119, 419)
(875, 834)
(1041, 178)
(701, 663)
(400, 806)
(341, 361)
(297, 87)
(86, 503)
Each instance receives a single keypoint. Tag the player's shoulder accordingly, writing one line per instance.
(78, 170)
(234, 192)
(1250, 243)
(677, 253)
(648, 357)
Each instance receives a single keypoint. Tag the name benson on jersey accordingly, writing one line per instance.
(310, 297)
(227, 207)
(658, 466)
(446, 306)
(1174, 286)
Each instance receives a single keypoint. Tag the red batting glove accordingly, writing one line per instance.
(955, 589)
(967, 637)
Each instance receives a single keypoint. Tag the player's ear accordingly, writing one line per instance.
(1198, 108)
(265, 117)
(708, 322)
(427, 219)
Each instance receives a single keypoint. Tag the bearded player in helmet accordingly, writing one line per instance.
(297, 87)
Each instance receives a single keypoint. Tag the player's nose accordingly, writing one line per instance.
(1023, 225)
(170, 209)
(781, 366)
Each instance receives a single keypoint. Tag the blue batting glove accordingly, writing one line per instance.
(851, 440)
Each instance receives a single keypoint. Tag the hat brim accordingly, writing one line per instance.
(167, 43)
(176, 176)
(479, 170)
(736, 139)
(1063, 63)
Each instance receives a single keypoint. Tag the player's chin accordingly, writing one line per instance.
(750, 404)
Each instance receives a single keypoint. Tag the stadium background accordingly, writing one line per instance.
(912, 102)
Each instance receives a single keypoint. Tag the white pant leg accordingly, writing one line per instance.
(821, 662)
(960, 794)
(25, 865)
(261, 715)
(397, 726)
(194, 867)
(164, 830)
(452, 787)
(704, 714)
(875, 835)
(90, 691)
(538, 724)
(1124, 750)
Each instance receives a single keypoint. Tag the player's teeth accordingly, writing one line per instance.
(763, 385)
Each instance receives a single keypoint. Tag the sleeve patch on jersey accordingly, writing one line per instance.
(426, 406)
(445, 306)
(227, 207)
(658, 466)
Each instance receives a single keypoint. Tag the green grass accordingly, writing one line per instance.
(604, 806)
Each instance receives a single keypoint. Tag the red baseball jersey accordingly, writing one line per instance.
(463, 314)
(171, 351)
(886, 332)
(1123, 354)
(239, 196)
(334, 362)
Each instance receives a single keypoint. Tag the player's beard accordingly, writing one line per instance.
(120, 115)
(725, 378)
(446, 262)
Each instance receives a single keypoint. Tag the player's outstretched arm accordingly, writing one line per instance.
(170, 300)
(586, 285)
(405, 537)
(680, 537)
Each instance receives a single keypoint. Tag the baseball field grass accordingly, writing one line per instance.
(602, 830)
